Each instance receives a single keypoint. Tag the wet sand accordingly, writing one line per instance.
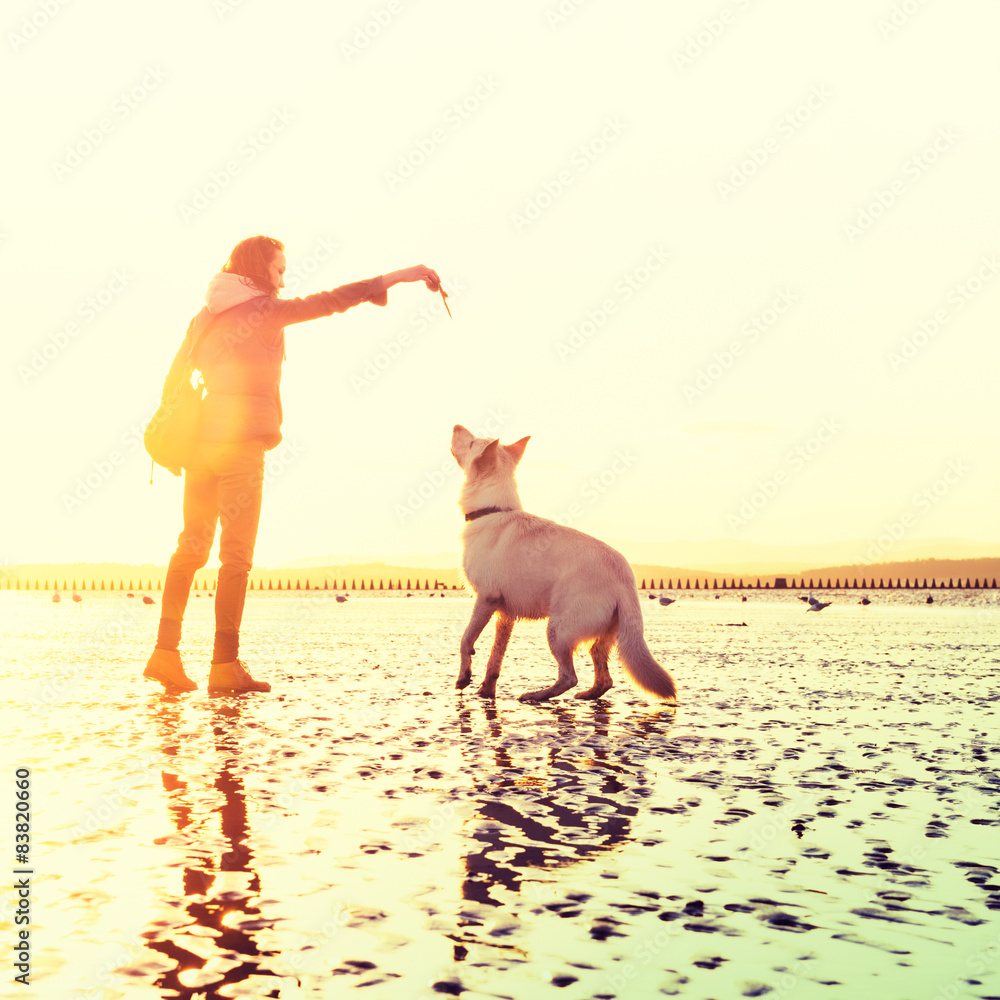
(818, 817)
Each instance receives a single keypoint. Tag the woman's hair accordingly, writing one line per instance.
(251, 258)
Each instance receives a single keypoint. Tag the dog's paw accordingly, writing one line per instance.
(533, 697)
(591, 694)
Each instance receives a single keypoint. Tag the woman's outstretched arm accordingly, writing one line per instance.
(374, 290)
(416, 273)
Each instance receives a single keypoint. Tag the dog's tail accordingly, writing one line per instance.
(635, 654)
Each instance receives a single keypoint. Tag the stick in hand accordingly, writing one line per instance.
(435, 286)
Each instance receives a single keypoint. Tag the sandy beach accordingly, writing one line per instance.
(817, 818)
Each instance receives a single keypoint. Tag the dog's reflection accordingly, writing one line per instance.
(577, 804)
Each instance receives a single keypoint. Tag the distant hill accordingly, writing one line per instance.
(939, 570)
(733, 556)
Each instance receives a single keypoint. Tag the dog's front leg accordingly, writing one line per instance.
(488, 689)
(482, 612)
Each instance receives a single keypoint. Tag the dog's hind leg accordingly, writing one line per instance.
(488, 689)
(599, 654)
(562, 650)
(482, 612)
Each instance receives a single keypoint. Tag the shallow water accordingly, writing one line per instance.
(818, 818)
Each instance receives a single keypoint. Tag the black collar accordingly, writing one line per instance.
(482, 512)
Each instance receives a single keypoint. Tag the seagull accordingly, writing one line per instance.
(77, 598)
(930, 600)
(815, 605)
(56, 597)
(652, 597)
(340, 600)
(864, 600)
(146, 599)
(666, 601)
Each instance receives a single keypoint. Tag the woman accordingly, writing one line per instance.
(237, 342)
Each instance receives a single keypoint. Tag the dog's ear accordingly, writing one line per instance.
(516, 450)
(488, 456)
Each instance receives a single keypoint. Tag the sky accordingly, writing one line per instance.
(731, 265)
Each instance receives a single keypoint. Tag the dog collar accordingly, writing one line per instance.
(482, 512)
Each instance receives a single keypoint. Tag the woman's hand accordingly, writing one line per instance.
(416, 273)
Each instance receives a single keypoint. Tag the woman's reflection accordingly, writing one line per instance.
(219, 880)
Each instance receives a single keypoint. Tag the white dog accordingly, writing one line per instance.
(524, 566)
